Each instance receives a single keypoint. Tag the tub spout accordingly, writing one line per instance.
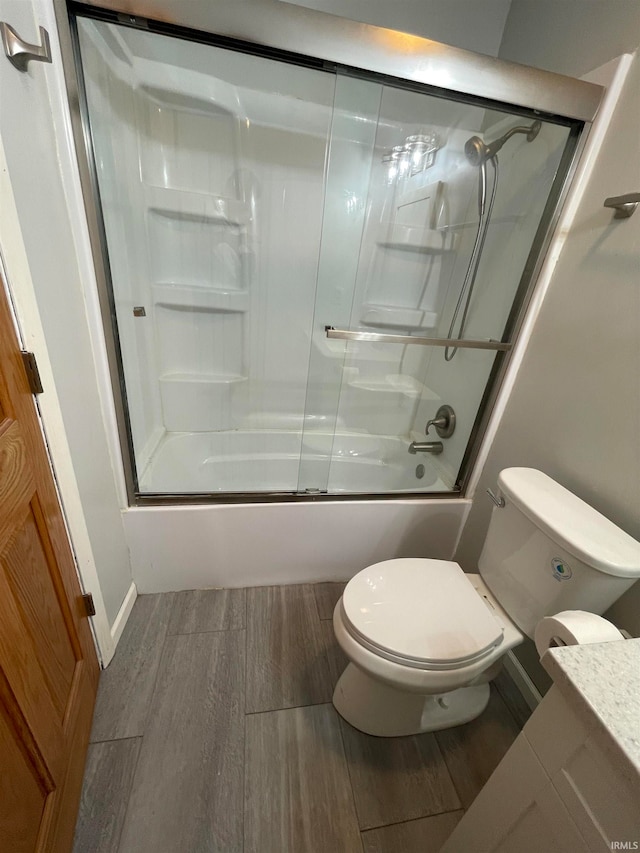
(434, 447)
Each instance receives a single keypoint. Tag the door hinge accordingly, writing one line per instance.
(33, 374)
(88, 604)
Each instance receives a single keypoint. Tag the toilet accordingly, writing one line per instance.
(424, 639)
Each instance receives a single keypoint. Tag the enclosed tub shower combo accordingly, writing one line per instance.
(319, 239)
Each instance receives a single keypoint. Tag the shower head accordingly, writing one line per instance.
(478, 152)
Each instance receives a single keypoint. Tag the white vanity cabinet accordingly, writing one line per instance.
(567, 785)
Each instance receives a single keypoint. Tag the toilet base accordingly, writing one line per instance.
(378, 709)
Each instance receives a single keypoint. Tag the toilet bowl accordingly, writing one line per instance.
(423, 639)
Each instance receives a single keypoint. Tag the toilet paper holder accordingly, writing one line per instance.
(559, 643)
(574, 627)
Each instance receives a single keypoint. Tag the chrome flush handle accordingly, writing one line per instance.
(498, 501)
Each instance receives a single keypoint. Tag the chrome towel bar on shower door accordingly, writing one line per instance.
(377, 338)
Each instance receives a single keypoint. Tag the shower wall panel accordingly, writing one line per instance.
(287, 174)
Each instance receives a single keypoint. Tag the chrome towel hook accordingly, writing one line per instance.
(20, 52)
(624, 205)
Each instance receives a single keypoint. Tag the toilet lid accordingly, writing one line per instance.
(426, 611)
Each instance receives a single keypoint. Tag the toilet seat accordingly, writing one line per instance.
(420, 613)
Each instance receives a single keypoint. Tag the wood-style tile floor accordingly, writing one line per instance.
(214, 733)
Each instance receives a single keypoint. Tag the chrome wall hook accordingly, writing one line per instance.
(624, 205)
(20, 52)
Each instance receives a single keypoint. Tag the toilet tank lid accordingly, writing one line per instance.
(571, 523)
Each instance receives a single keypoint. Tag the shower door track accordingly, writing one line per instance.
(179, 498)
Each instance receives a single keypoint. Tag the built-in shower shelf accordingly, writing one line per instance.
(355, 350)
(511, 219)
(184, 96)
(202, 378)
(189, 297)
(199, 207)
(429, 241)
(393, 317)
(198, 402)
(390, 383)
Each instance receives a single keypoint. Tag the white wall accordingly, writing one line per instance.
(20, 292)
(570, 36)
(463, 23)
(575, 408)
(42, 171)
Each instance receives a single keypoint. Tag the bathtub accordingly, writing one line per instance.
(196, 546)
(286, 461)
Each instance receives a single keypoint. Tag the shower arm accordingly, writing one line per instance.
(528, 132)
(478, 151)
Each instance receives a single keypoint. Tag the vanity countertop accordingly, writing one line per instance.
(601, 682)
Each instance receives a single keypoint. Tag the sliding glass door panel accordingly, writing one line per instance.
(210, 165)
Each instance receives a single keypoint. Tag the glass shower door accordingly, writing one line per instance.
(426, 236)
(249, 202)
(210, 165)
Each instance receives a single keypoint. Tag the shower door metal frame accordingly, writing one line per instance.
(277, 26)
(268, 28)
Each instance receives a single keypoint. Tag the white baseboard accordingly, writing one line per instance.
(525, 685)
(123, 614)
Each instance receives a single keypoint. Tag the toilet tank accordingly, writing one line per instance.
(547, 550)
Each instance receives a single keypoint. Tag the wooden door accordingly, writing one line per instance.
(48, 665)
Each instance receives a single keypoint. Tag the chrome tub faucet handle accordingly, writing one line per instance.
(444, 422)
